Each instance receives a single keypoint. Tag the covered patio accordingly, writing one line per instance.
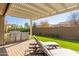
(31, 11)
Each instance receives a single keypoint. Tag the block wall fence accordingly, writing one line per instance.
(62, 32)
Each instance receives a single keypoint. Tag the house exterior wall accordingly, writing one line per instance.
(63, 32)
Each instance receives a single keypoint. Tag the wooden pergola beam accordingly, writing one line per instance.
(6, 9)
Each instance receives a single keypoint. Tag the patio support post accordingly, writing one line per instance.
(1, 29)
(30, 37)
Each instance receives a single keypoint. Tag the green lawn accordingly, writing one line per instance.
(71, 44)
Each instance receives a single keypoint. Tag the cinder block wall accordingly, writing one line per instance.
(63, 32)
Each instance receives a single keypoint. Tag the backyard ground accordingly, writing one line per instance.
(70, 44)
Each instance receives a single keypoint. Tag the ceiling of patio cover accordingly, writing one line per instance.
(38, 10)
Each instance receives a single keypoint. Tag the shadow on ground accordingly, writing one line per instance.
(3, 51)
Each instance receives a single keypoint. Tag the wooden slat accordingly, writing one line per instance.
(70, 5)
(39, 10)
(27, 9)
(43, 7)
(30, 7)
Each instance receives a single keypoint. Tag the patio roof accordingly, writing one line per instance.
(36, 10)
(2, 8)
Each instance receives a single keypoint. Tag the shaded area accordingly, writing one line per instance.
(34, 50)
(13, 44)
(3, 51)
(32, 53)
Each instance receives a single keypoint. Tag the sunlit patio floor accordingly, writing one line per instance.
(16, 49)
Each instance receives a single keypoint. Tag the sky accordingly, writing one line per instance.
(51, 19)
(15, 20)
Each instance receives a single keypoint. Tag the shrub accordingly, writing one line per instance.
(55, 35)
(22, 29)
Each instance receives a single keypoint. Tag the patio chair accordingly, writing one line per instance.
(42, 47)
(51, 44)
(45, 50)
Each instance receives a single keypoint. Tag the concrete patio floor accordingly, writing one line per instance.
(22, 49)
(64, 52)
(15, 49)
